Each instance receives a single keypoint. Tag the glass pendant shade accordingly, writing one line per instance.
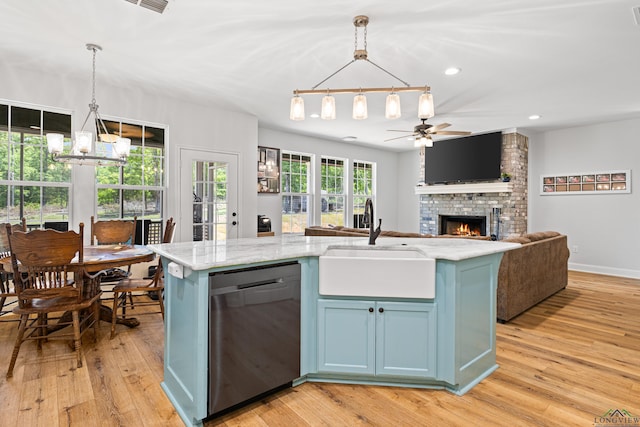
(55, 143)
(328, 108)
(122, 147)
(392, 109)
(297, 108)
(84, 141)
(360, 107)
(425, 106)
(423, 141)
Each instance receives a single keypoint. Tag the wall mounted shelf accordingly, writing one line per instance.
(478, 187)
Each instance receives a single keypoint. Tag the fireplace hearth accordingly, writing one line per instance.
(463, 225)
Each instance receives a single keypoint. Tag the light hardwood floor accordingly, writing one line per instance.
(565, 362)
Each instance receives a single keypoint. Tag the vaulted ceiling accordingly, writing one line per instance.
(572, 62)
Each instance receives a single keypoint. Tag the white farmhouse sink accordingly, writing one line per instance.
(377, 272)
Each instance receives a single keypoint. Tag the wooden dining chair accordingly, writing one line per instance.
(153, 285)
(7, 291)
(113, 232)
(50, 278)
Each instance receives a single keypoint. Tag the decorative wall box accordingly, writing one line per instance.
(609, 182)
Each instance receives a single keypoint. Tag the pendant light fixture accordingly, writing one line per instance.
(328, 111)
(392, 108)
(360, 107)
(104, 150)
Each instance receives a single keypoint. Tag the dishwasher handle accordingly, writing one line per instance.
(236, 288)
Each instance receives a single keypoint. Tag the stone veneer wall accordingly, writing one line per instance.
(513, 218)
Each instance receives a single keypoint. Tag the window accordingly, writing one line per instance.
(363, 189)
(32, 185)
(296, 188)
(333, 192)
(138, 188)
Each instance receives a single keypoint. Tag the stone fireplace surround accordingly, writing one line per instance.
(478, 199)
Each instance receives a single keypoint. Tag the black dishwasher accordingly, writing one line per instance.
(254, 333)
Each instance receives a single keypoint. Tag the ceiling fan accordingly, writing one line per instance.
(425, 130)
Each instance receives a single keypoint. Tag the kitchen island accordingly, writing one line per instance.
(445, 342)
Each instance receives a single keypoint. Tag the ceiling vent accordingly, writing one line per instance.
(155, 5)
(636, 14)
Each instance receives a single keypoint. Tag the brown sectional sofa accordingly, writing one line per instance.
(531, 273)
(527, 275)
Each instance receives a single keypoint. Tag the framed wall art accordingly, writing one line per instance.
(268, 170)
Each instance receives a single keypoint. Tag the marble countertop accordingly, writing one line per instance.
(207, 255)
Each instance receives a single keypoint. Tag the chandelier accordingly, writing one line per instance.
(392, 108)
(104, 150)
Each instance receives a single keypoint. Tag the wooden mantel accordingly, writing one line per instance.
(481, 187)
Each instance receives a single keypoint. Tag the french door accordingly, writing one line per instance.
(208, 195)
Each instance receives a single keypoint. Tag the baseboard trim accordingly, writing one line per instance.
(598, 269)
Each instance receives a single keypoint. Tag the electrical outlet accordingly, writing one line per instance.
(575, 249)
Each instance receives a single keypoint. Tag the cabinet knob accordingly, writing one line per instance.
(370, 309)
(381, 310)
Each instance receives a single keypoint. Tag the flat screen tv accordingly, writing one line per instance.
(468, 159)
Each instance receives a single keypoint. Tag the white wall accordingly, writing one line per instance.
(408, 202)
(189, 125)
(606, 227)
(386, 169)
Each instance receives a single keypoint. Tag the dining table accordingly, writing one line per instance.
(103, 257)
(97, 258)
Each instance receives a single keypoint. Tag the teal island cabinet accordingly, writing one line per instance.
(443, 340)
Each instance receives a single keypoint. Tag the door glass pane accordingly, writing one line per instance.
(210, 202)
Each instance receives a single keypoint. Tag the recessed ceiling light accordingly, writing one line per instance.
(452, 71)
(534, 117)
(314, 115)
(349, 138)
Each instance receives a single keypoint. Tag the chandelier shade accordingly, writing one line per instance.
(360, 107)
(297, 108)
(328, 111)
(392, 108)
(104, 150)
(425, 106)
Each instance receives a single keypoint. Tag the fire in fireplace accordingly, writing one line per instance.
(463, 225)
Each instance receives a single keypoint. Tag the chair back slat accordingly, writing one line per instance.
(117, 231)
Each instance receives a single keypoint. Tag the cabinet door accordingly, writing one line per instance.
(346, 336)
(406, 339)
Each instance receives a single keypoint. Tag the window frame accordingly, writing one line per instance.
(324, 193)
(43, 182)
(309, 194)
(121, 187)
(356, 208)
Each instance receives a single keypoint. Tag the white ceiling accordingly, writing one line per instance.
(571, 61)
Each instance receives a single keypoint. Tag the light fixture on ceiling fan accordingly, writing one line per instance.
(104, 150)
(360, 112)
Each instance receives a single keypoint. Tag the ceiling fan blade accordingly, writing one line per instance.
(437, 127)
(399, 137)
(396, 130)
(451, 132)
